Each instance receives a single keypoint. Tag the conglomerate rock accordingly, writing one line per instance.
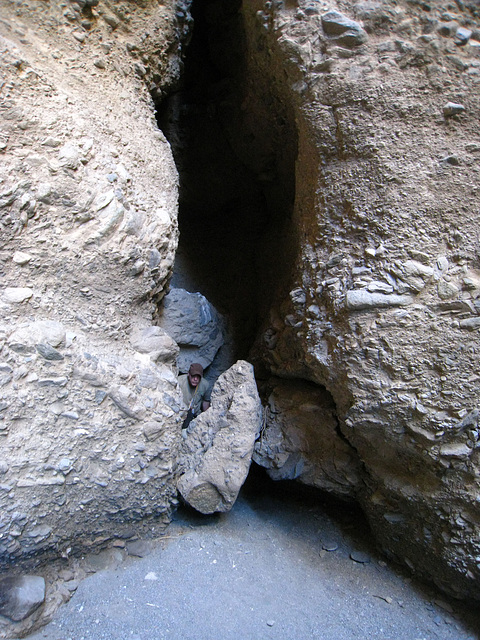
(89, 424)
(381, 305)
(366, 114)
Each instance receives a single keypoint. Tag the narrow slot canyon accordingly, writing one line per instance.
(234, 145)
(233, 134)
(282, 191)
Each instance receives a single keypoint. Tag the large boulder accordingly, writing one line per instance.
(300, 440)
(218, 445)
(195, 325)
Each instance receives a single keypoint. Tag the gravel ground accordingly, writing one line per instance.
(262, 571)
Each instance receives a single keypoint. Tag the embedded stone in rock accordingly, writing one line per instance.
(17, 294)
(346, 31)
(194, 324)
(20, 596)
(46, 332)
(452, 109)
(156, 342)
(362, 299)
(218, 446)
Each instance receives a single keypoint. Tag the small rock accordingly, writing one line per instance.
(139, 69)
(329, 545)
(446, 290)
(451, 160)
(99, 63)
(151, 576)
(48, 352)
(462, 36)
(72, 585)
(270, 623)
(360, 557)
(452, 109)
(21, 258)
(470, 323)
(20, 596)
(17, 294)
(346, 32)
(80, 37)
(111, 20)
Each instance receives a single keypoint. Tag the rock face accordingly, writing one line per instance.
(218, 445)
(300, 440)
(89, 421)
(20, 596)
(358, 121)
(381, 305)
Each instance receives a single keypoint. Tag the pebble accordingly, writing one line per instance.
(329, 545)
(452, 109)
(80, 37)
(17, 294)
(48, 352)
(462, 36)
(270, 623)
(21, 258)
(360, 557)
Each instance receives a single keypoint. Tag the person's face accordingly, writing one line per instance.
(194, 379)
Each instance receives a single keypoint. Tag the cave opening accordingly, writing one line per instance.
(234, 145)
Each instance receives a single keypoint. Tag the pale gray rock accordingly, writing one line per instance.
(462, 36)
(447, 290)
(452, 109)
(20, 596)
(49, 332)
(194, 324)
(21, 257)
(218, 445)
(300, 440)
(17, 295)
(157, 343)
(362, 299)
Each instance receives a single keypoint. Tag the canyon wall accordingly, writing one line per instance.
(358, 121)
(90, 410)
(381, 309)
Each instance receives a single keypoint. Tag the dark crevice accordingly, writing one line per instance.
(235, 151)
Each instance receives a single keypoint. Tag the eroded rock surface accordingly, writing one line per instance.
(89, 423)
(20, 596)
(218, 445)
(381, 306)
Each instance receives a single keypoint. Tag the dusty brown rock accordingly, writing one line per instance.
(88, 205)
(218, 445)
(374, 306)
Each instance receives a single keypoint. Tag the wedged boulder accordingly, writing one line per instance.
(20, 596)
(194, 324)
(300, 440)
(218, 445)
